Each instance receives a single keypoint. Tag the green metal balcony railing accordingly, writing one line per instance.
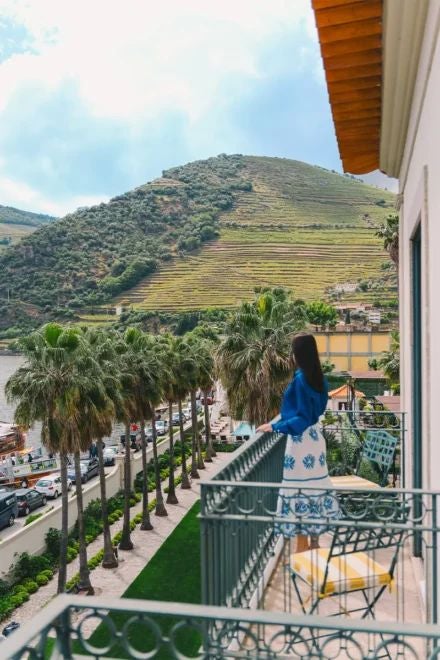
(243, 550)
(346, 433)
(152, 629)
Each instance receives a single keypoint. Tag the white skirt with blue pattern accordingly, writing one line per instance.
(305, 468)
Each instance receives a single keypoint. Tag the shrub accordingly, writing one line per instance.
(31, 586)
(41, 579)
(53, 538)
(18, 588)
(4, 588)
(72, 553)
(18, 599)
(31, 518)
(29, 567)
(117, 537)
(71, 583)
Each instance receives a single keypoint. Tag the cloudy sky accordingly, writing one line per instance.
(99, 96)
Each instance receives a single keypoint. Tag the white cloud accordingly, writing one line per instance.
(137, 58)
(31, 199)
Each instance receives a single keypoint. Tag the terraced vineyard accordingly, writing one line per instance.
(301, 226)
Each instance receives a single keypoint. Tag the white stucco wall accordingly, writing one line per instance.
(420, 187)
(31, 538)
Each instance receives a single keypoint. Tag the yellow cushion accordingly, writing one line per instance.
(346, 572)
(352, 481)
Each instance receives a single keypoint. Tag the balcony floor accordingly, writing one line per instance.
(402, 602)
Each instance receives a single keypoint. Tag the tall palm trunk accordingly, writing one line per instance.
(171, 499)
(200, 463)
(62, 573)
(84, 573)
(208, 444)
(185, 479)
(194, 472)
(146, 521)
(160, 506)
(109, 560)
(126, 542)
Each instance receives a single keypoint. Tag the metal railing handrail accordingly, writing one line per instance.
(56, 610)
(341, 489)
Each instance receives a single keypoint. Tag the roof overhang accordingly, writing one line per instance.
(370, 50)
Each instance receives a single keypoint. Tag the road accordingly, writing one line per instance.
(51, 504)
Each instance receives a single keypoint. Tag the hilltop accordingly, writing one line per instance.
(203, 235)
(12, 216)
(15, 223)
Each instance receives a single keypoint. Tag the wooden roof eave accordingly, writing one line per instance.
(350, 35)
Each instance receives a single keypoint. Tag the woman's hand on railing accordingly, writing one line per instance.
(265, 428)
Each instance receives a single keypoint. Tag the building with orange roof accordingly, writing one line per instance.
(344, 398)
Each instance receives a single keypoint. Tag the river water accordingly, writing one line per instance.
(9, 364)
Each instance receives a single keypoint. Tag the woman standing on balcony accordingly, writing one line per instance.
(305, 464)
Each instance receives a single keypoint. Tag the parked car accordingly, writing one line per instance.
(187, 411)
(175, 420)
(149, 434)
(162, 427)
(109, 454)
(89, 468)
(51, 485)
(8, 508)
(29, 499)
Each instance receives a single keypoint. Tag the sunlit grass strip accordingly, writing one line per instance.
(173, 574)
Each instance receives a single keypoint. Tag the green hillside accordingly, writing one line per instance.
(12, 216)
(203, 235)
(15, 224)
(301, 226)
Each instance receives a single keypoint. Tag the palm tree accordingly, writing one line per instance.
(184, 366)
(206, 383)
(389, 233)
(192, 376)
(169, 357)
(390, 362)
(254, 356)
(85, 413)
(39, 387)
(102, 346)
(125, 413)
(147, 374)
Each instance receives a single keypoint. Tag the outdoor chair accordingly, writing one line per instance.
(348, 566)
(378, 447)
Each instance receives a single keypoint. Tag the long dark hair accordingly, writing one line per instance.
(305, 354)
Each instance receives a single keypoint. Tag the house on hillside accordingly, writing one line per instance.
(344, 397)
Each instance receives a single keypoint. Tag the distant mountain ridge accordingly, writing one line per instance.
(12, 216)
(203, 235)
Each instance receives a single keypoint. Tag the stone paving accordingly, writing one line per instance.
(113, 582)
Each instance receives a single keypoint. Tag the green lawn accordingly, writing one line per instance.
(173, 574)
